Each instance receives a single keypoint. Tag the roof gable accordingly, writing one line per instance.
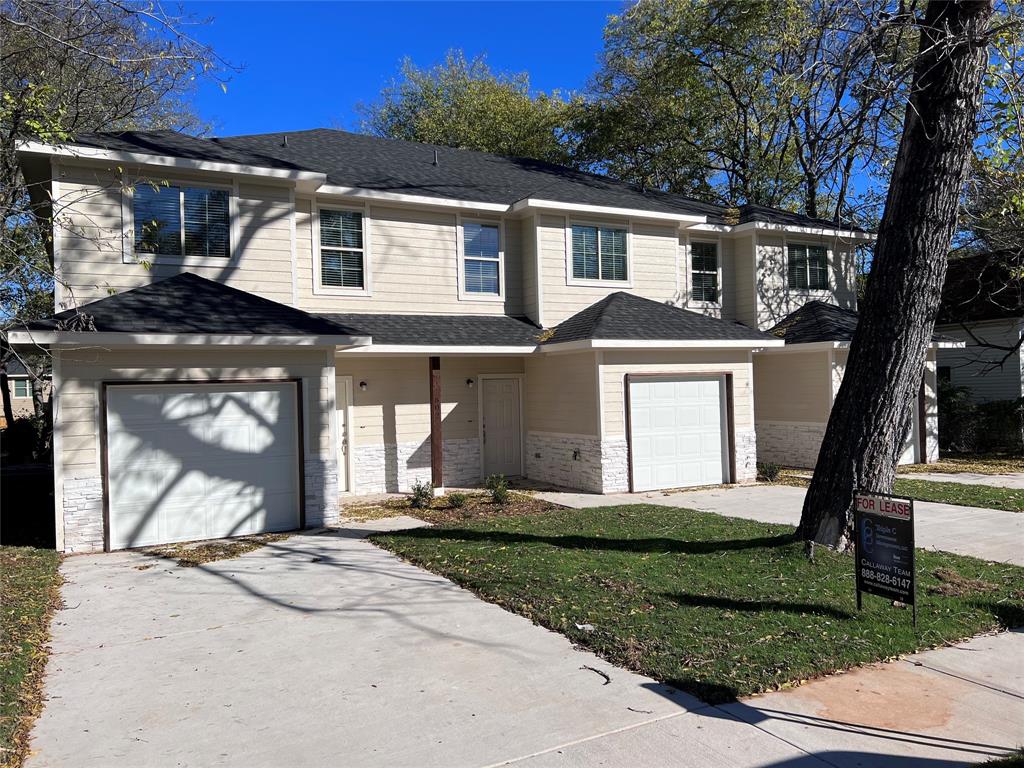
(624, 316)
(189, 304)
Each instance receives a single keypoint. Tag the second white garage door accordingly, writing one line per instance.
(677, 432)
(201, 461)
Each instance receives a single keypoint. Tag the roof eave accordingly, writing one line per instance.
(38, 338)
(440, 349)
(305, 180)
(649, 344)
(536, 205)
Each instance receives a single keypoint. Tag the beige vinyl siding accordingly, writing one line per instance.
(528, 259)
(413, 264)
(792, 387)
(774, 298)
(395, 407)
(981, 369)
(744, 298)
(96, 259)
(616, 365)
(83, 371)
(561, 394)
(652, 258)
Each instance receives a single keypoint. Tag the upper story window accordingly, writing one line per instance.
(704, 271)
(599, 253)
(181, 221)
(21, 388)
(481, 254)
(808, 267)
(342, 249)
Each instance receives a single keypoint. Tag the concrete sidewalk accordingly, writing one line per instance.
(1008, 480)
(985, 533)
(325, 650)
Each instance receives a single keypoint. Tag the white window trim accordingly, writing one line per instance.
(829, 261)
(600, 283)
(690, 301)
(14, 388)
(336, 290)
(128, 254)
(460, 255)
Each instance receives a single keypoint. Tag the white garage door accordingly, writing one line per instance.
(201, 461)
(676, 432)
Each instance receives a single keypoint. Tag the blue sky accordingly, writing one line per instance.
(307, 64)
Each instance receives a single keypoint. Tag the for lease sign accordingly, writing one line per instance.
(884, 546)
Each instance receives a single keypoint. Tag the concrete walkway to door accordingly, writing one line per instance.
(990, 534)
(323, 650)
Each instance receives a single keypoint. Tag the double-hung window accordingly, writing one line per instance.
(21, 388)
(181, 221)
(342, 249)
(481, 254)
(808, 267)
(704, 271)
(599, 253)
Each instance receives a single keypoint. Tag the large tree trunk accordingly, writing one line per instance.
(872, 411)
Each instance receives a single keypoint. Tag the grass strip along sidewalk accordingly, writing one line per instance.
(1009, 499)
(714, 606)
(29, 593)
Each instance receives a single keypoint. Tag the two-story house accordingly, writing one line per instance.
(250, 327)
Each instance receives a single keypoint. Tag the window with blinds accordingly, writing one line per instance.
(808, 267)
(599, 253)
(181, 221)
(481, 245)
(342, 252)
(704, 271)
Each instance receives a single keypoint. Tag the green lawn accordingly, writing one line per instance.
(715, 606)
(29, 592)
(1010, 499)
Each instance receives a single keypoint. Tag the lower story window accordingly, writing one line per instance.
(21, 388)
(342, 254)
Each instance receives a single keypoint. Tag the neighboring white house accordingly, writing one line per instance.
(983, 306)
(19, 385)
(250, 327)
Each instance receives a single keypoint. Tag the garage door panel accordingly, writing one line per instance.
(676, 432)
(201, 461)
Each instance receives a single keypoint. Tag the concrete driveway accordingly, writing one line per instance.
(990, 534)
(322, 650)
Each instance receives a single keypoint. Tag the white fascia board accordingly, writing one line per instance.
(108, 339)
(433, 350)
(533, 204)
(397, 197)
(810, 346)
(308, 178)
(948, 344)
(628, 344)
(767, 226)
(716, 228)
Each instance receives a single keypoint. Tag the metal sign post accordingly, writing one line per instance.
(884, 548)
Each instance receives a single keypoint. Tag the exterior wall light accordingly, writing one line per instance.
(362, 385)
(469, 383)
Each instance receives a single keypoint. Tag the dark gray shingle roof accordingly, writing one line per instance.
(406, 167)
(443, 330)
(627, 317)
(817, 321)
(187, 303)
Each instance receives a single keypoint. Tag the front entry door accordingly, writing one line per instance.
(501, 427)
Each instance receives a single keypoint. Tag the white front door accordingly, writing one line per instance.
(342, 404)
(677, 432)
(501, 427)
(201, 461)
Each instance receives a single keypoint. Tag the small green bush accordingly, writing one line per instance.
(768, 472)
(422, 495)
(457, 500)
(498, 486)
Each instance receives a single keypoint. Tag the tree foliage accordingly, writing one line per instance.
(462, 103)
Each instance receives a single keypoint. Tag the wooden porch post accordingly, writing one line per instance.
(436, 438)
